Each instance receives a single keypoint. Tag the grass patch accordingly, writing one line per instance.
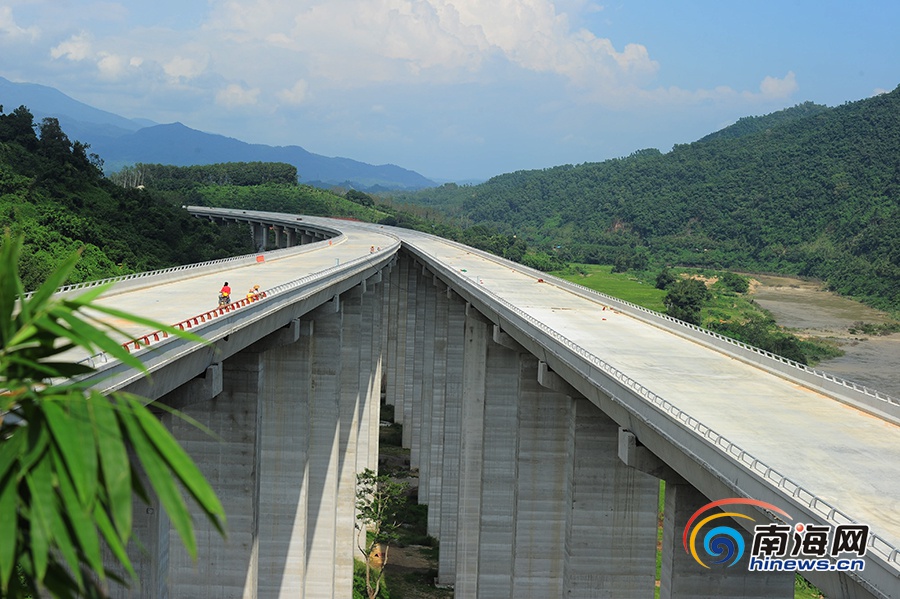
(637, 288)
(803, 589)
(727, 312)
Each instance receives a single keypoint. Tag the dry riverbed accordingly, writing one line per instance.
(807, 309)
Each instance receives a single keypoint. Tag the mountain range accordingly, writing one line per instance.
(120, 142)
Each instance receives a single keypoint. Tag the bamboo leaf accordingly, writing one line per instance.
(54, 281)
(79, 517)
(63, 542)
(73, 435)
(40, 485)
(182, 465)
(113, 462)
(9, 451)
(93, 337)
(149, 322)
(114, 540)
(8, 496)
(10, 290)
(159, 476)
(38, 440)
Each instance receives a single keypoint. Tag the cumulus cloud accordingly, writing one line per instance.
(296, 94)
(183, 67)
(76, 48)
(112, 66)
(362, 41)
(774, 88)
(11, 31)
(235, 95)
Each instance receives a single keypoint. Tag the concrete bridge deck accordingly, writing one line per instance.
(843, 455)
(818, 445)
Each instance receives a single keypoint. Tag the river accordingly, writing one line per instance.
(804, 307)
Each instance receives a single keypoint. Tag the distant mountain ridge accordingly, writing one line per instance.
(122, 142)
(810, 191)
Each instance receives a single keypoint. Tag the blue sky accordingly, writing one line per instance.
(454, 89)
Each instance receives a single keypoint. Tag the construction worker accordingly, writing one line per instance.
(225, 294)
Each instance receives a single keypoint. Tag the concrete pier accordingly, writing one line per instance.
(682, 577)
(536, 477)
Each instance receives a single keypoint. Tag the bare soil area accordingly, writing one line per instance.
(807, 309)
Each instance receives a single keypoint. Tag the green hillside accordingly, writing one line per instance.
(54, 192)
(810, 191)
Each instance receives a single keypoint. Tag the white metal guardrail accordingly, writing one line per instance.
(135, 281)
(889, 553)
(870, 400)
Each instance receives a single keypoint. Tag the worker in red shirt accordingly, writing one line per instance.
(225, 294)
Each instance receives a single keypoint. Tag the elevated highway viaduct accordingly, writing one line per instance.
(541, 417)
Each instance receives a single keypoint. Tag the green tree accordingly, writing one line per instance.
(361, 198)
(735, 282)
(665, 278)
(378, 501)
(685, 298)
(70, 458)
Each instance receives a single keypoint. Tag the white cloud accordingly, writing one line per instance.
(353, 42)
(181, 67)
(774, 88)
(76, 48)
(235, 95)
(111, 65)
(10, 31)
(297, 94)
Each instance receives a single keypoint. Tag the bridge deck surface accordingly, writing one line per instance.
(842, 455)
(174, 301)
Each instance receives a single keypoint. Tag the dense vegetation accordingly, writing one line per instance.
(716, 300)
(54, 193)
(810, 191)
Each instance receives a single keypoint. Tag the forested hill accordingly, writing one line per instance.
(53, 192)
(812, 191)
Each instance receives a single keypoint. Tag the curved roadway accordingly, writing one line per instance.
(844, 456)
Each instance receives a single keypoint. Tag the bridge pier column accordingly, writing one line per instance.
(681, 576)
(260, 236)
(497, 540)
(374, 321)
(612, 530)
(397, 390)
(228, 568)
(392, 321)
(284, 462)
(543, 485)
(452, 434)
(324, 451)
(471, 455)
(434, 489)
(409, 379)
(425, 414)
(349, 427)
(151, 525)
(421, 292)
(366, 375)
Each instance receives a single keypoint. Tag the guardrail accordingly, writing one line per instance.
(194, 321)
(879, 404)
(144, 341)
(828, 512)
